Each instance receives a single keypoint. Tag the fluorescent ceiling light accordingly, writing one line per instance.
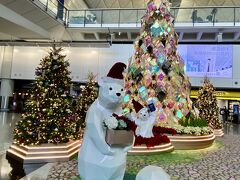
(37, 40)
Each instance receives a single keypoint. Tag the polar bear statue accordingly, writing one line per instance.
(96, 159)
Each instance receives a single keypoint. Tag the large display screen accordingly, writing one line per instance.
(207, 60)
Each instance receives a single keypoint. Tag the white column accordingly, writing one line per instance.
(7, 84)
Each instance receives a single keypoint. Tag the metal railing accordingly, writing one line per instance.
(54, 7)
(184, 16)
(105, 17)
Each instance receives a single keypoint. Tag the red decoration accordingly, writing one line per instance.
(137, 106)
(117, 70)
(158, 131)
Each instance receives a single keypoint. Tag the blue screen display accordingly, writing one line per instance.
(207, 60)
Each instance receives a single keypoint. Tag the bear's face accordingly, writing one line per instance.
(111, 93)
(143, 114)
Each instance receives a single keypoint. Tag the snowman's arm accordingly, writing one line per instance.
(132, 116)
(153, 116)
(138, 122)
(135, 119)
(96, 133)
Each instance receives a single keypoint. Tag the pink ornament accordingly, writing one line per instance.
(170, 92)
(147, 66)
(158, 105)
(159, 83)
(186, 111)
(167, 17)
(162, 9)
(172, 42)
(148, 41)
(155, 52)
(162, 117)
(160, 76)
(151, 7)
(148, 81)
(166, 51)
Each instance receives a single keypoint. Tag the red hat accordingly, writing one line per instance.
(117, 70)
(137, 106)
(115, 75)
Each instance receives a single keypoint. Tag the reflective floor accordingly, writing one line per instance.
(231, 128)
(9, 168)
(7, 123)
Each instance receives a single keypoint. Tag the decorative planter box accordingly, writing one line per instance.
(218, 132)
(126, 138)
(144, 150)
(44, 153)
(119, 137)
(191, 142)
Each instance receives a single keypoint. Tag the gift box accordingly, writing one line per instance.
(119, 137)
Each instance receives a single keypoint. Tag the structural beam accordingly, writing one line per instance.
(97, 36)
(236, 36)
(180, 36)
(129, 36)
(15, 18)
(199, 35)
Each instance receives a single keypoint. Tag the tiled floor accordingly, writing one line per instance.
(226, 161)
(222, 164)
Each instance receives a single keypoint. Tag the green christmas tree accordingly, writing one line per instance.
(48, 117)
(207, 105)
(87, 97)
(155, 76)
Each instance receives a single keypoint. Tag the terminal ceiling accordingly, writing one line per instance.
(25, 22)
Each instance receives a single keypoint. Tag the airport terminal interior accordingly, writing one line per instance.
(119, 89)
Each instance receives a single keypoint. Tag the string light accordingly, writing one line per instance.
(207, 105)
(46, 108)
(87, 97)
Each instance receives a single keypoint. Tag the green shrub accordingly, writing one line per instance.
(193, 121)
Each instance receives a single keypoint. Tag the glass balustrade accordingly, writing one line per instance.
(184, 16)
(110, 18)
(54, 7)
(237, 16)
(194, 16)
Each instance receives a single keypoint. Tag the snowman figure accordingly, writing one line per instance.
(144, 120)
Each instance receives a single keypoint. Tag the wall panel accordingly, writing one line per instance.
(99, 61)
